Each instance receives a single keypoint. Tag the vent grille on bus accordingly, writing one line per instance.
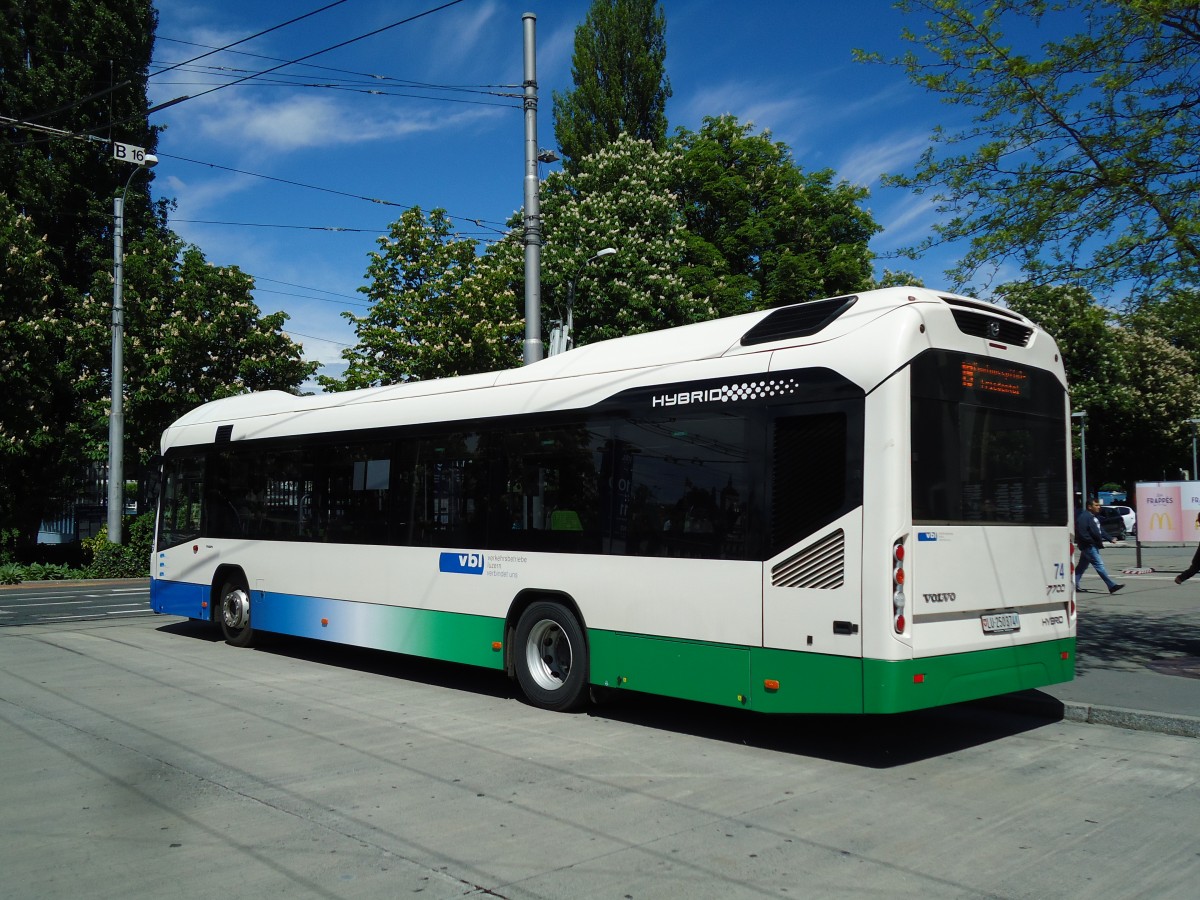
(988, 327)
(224, 434)
(801, 320)
(819, 565)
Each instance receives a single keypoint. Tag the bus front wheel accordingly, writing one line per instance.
(234, 613)
(552, 657)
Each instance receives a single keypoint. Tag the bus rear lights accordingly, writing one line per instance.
(771, 684)
(898, 600)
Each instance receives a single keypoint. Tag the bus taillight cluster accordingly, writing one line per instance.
(898, 585)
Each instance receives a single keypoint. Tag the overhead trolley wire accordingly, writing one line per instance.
(211, 51)
(250, 38)
(329, 49)
(284, 64)
(479, 223)
(369, 77)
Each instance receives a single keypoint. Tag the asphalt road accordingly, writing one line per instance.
(143, 757)
(68, 601)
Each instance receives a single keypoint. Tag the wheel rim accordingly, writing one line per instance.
(235, 609)
(548, 655)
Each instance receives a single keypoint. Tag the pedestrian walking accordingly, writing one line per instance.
(1195, 566)
(1090, 538)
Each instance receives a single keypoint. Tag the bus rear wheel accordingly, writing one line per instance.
(234, 613)
(551, 657)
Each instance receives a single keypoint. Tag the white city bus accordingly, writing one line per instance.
(853, 505)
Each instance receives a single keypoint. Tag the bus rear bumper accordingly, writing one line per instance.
(890, 687)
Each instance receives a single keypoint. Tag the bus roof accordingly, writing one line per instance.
(614, 362)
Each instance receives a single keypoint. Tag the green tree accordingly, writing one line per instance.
(621, 197)
(898, 278)
(80, 67)
(1136, 388)
(194, 334)
(438, 309)
(74, 69)
(431, 314)
(35, 382)
(1081, 164)
(620, 79)
(761, 232)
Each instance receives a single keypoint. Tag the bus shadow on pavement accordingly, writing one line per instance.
(1117, 640)
(870, 741)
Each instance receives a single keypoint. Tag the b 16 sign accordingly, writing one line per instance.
(129, 153)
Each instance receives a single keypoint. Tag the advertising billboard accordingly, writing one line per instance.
(1167, 510)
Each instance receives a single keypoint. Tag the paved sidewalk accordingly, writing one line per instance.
(1138, 660)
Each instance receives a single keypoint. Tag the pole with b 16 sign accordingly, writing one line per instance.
(116, 416)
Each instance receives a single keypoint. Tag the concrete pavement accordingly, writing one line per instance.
(1138, 662)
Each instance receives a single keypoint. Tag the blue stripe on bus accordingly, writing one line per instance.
(178, 598)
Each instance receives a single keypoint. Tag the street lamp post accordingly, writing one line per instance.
(560, 337)
(1082, 417)
(116, 418)
(1195, 473)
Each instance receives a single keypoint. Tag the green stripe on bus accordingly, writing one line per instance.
(935, 680)
(787, 681)
(726, 674)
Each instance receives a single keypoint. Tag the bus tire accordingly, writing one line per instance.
(233, 612)
(551, 658)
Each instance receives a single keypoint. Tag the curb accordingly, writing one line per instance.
(1135, 719)
(1047, 706)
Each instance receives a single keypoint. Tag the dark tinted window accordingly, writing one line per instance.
(816, 472)
(182, 501)
(684, 486)
(550, 488)
(987, 455)
(443, 495)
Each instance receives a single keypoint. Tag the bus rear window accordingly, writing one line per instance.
(982, 456)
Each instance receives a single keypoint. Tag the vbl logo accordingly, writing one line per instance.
(463, 563)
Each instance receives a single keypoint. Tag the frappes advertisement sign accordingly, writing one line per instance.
(1166, 511)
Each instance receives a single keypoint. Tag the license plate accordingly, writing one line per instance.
(1001, 623)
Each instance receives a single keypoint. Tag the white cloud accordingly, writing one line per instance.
(307, 121)
(750, 104)
(908, 220)
(460, 36)
(867, 161)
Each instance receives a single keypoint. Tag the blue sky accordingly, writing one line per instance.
(785, 66)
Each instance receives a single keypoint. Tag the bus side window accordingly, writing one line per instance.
(443, 502)
(684, 486)
(348, 496)
(551, 492)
